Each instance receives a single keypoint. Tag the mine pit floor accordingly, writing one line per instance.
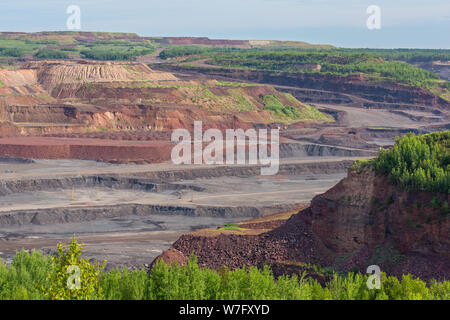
(135, 240)
(125, 241)
(221, 192)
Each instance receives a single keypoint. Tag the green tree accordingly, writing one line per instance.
(66, 283)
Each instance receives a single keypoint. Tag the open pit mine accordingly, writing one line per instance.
(85, 150)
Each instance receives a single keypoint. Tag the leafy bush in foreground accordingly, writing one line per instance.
(34, 276)
(61, 282)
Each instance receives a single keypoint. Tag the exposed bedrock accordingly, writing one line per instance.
(365, 210)
(28, 185)
(317, 167)
(160, 180)
(84, 214)
(8, 129)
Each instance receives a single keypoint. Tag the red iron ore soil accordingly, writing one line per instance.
(90, 149)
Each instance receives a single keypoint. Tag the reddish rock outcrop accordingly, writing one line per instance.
(363, 220)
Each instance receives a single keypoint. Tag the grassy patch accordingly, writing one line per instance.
(231, 227)
(272, 103)
(291, 113)
(18, 48)
(242, 102)
(235, 84)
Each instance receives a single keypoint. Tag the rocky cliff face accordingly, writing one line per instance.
(363, 220)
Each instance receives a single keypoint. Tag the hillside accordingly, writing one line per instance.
(373, 77)
(74, 101)
(365, 219)
(112, 86)
(103, 46)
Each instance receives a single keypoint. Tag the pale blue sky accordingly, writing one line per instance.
(405, 23)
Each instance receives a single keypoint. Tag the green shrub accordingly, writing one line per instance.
(12, 52)
(418, 162)
(114, 54)
(25, 277)
(34, 276)
(59, 279)
(50, 54)
(124, 285)
(435, 202)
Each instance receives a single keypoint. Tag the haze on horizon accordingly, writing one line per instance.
(404, 23)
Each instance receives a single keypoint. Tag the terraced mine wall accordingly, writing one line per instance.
(41, 113)
(318, 167)
(157, 181)
(336, 98)
(136, 151)
(29, 185)
(107, 152)
(85, 214)
(15, 160)
(288, 150)
(376, 93)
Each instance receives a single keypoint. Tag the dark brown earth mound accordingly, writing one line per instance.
(172, 256)
(363, 220)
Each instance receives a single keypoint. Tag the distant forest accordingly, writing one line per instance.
(376, 64)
